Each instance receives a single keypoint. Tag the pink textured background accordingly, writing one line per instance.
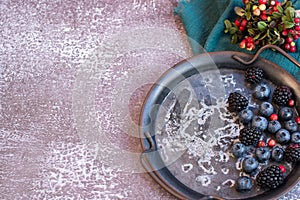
(73, 73)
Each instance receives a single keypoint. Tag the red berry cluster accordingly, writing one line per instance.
(247, 43)
(241, 23)
(264, 22)
(270, 143)
(291, 35)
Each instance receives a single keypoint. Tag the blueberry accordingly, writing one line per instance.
(249, 164)
(243, 184)
(277, 154)
(262, 91)
(246, 116)
(291, 125)
(283, 136)
(263, 154)
(260, 122)
(266, 109)
(285, 113)
(238, 149)
(295, 137)
(274, 126)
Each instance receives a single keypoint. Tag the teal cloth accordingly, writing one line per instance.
(204, 24)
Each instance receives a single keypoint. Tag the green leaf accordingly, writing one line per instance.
(284, 18)
(234, 38)
(280, 28)
(257, 36)
(288, 24)
(239, 11)
(290, 12)
(262, 25)
(233, 30)
(227, 24)
(288, 4)
(248, 7)
(276, 15)
(251, 31)
(248, 15)
(280, 9)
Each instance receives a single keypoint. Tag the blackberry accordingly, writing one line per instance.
(237, 102)
(292, 153)
(250, 136)
(282, 95)
(271, 177)
(254, 74)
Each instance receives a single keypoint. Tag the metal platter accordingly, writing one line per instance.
(187, 133)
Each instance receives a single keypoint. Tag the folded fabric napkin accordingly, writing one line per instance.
(204, 24)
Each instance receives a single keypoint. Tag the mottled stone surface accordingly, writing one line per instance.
(73, 76)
